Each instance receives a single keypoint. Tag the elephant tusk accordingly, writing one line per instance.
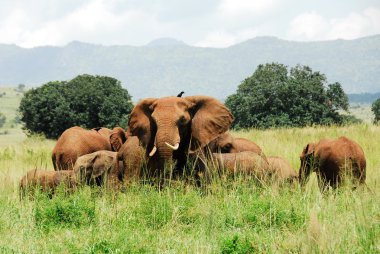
(154, 150)
(175, 147)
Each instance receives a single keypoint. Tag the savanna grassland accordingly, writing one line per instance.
(228, 216)
(224, 216)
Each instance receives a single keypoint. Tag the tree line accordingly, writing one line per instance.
(273, 96)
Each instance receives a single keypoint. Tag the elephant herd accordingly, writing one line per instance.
(167, 133)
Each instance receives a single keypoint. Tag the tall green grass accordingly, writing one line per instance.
(225, 216)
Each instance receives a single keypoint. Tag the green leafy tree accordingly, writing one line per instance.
(376, 110)
(87, 101)
(3, 119)
(274, 96)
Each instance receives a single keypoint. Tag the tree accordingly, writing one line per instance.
(3, 119)
(376, 110)
(274, 96)
(87, 101)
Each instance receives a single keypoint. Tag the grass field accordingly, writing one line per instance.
(226, 216)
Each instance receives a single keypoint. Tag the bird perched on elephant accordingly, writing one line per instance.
(47, 181)
(99, 168)
(77, 141)
(281, 170)
(226, 143)
(333, 160)
(242, 163)
(170, 127)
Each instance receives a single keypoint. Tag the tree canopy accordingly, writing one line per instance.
(87, 101)
(376, 110)
(276, 96)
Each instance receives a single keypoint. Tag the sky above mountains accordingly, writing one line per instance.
(211, 23)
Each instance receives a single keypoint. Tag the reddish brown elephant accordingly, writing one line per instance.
(132, 156)
(243, 163)
(47, 181)
(171, 126)
(226, 143)
(77, 141)
(333, 161)
(281, 169)
(100, 168)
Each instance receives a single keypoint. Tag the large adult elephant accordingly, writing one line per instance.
(76, 141)
(333, 161)
(169, 127)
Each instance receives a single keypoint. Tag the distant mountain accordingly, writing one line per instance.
(167, 66)
(165, 42)
(366, 98)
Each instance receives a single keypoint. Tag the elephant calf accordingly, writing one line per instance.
(226, 143)
(246, 163)
(333, 160)
(101, 167)
(281, 169)
(132, 156)
(47, 181)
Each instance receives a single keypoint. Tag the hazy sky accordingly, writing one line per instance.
(206, 23)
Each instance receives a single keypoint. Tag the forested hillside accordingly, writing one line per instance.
(165, 67)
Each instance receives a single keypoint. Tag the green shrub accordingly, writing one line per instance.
(376, 110)
(276, 97)
(60, 212)
(236, 245)
(87, 101)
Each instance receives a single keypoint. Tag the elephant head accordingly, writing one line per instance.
(168, 127)
(98, 167)
(224, 144)
(307, 162)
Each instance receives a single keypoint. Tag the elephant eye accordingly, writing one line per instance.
(182, 120)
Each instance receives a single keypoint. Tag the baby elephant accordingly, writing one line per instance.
(333, 160)
(47, 181)
(132, 157)
(281, 169)
(245, 163)
(99, 168)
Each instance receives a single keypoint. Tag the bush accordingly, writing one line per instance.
(3, 119)
(64, 212)
(376, 110)
(236, 246)
(87, 101)
(274, 97)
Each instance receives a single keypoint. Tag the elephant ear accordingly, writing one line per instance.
(140, 121)
(309, 149)
(210, 119)
(117, 138)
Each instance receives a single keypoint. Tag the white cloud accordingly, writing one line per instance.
(222, 39)
(12, 28)
(95, 22)
(312, 26)
(235, 8)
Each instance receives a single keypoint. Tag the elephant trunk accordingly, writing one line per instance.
(166, 143)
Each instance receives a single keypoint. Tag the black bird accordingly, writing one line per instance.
(180, 94)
